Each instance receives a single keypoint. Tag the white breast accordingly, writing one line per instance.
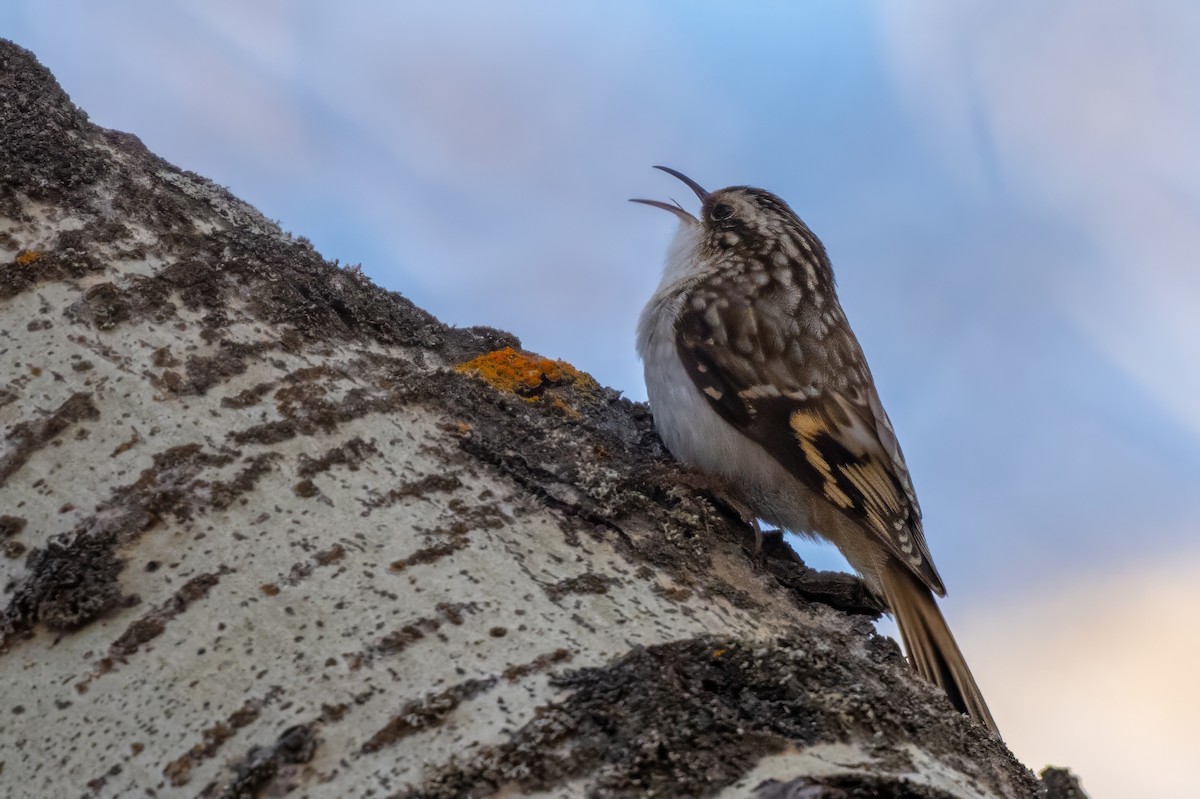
(694, 433)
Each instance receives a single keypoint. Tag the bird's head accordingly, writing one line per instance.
(736, 218)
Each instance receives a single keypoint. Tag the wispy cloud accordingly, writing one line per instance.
(1086, 112)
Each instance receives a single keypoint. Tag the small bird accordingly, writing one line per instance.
(756, 379)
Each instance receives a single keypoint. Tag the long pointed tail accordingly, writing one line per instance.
(930, 646)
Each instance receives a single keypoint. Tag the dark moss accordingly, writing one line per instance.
(849, 786)
(68, 585)
(222, 494)
(689, 718)
(44, 156)
(106, 231)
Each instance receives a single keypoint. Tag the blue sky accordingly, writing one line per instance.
(1010, 193)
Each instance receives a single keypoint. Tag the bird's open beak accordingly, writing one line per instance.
(677, 209)
(691, 184)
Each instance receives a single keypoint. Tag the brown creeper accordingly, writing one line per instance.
(755, 377)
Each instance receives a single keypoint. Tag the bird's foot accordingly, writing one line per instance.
(768, 544)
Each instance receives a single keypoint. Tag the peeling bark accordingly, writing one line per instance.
(269, 527)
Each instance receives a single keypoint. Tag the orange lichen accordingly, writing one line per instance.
(526, 375)
(26, 257)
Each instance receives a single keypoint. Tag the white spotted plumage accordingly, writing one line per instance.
(754, 376)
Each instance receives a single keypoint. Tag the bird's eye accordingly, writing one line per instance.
(721, 211)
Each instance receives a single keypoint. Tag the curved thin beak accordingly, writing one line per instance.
(691, 184)
(676, 209)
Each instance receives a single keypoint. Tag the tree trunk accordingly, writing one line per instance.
(269, 527)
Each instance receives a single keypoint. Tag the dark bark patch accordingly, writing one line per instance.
(223, 494)
(203, 372)
(103, 306)
(421, 714)
(13, 549)
(589, 583)
(30, 269)
(415, 489)
(263, 765)
(11, 526)
(331, 555)
(689, 718)
(127, 444)
(28, 437)
(306, 489)
(1061, 784)
(247, 397)
(838, 590)
(306, 409)
(212, 738)
(67, 585)
(73, 580)
(397, 641)
(538, 664)
(154, 623)
(431, 554)
(849, 786)
(350, 454)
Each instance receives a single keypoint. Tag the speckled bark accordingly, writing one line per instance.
(259, 533)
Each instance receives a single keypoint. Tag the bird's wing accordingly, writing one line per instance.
(794, 380)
